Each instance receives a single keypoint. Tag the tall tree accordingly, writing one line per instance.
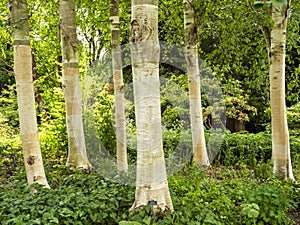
(191, 51)
(275, 37)
(23, 74)
(77, 156)
(151, 182)
(118, 86)
(280, 132)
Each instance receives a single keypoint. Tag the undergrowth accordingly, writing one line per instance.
(217, 195)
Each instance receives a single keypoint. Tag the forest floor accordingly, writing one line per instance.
(217, 195)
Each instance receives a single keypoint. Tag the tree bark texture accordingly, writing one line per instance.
(151, 183)
(280, 133)
(25, 92)
(198, 138)
(118, 86)
(77, 157)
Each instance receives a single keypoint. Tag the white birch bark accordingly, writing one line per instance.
(26, 102)
(118, 87)
(151, 183)
(198, 138)
(77, 157)
(280, 134)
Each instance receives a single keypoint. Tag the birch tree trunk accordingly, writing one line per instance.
(280, 133)
(118, 86)
(151, 183)
(77, 157)
(198, 138)
(26, 104)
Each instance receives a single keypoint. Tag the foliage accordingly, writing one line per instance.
(293, 116)
(79, 199)
(6, 57)
(268, 209)
(9, 105)
(217, 195)
(227, 26)
(93, 31)
(104, 118)
(292, 55)
(10, 147)
(251, 149)
(255, 150)
(52, 131)
(237, 103)
(231, 43)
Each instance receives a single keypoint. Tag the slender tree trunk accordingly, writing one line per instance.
(151, 183)
(23, 73)
(280, 133)
(77, 157)
(118, 86)
(199, 145)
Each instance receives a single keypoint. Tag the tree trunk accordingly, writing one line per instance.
(23, 73)
(151, 183)
(77, 157)
(280, 133)
(199, 145)
(118, 86)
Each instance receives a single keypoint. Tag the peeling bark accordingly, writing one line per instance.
(77, 157)
(118, 86)
(25, 92)
(199, 145)
(151, 183)
(280, 134)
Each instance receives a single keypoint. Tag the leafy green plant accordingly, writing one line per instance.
(237, 102)
(53, 131)
(10, 147)
(9, 105)
(247, 148)
(293, 115)
(217, 195)
(251, 210)
(271, 204)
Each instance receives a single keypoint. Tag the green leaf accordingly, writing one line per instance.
(94, 217)
(147, 220)
(253, 213)
(258, 4)
(129, 223)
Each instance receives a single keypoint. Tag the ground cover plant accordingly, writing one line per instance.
(218, 195)
(239, 193)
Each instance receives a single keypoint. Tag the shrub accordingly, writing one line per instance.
(53, 131)
(247, 148)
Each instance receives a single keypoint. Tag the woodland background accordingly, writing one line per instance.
(239, 188)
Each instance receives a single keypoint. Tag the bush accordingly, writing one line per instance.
(251, 149)
(53, 131)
